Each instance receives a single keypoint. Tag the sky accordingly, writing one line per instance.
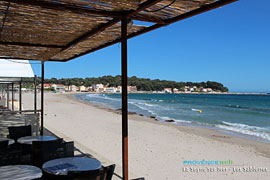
(230, 45)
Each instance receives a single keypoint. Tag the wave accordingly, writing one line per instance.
(161, 118)
(102, 96)
(246, 129)
(262, 110)
(182, 113)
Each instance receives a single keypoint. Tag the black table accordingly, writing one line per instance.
(10, 141)
(30, 139)
(20, 172)
(63, 165)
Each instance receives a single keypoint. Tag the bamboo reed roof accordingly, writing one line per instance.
(61, 30)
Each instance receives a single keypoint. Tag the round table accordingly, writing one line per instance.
(20, 172)
(10, 141)
(30, 139)
(63, 165)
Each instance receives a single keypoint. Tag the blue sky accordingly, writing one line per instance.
(230, 45)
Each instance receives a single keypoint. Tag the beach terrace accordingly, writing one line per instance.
(60, 31)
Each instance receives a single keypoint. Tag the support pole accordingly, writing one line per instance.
(12, 96)
(124, 98)
(42, 98)
(8, 96)
(35, 94)
(20, 98)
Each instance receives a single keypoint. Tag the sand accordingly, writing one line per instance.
(156, 149)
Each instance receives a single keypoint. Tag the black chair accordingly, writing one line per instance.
(3, 145)
(44, 151)
(86, 175)
(10, 157)
(17, 132)
(104, 173)
(109, 172)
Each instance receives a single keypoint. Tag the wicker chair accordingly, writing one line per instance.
(3, 145)
(10, 157)
(49, 150)
(104, 173)
(109, 172)
(17, 132)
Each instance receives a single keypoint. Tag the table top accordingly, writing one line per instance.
(30, 139)
(63, 165)
(20, 172)
(10, 141)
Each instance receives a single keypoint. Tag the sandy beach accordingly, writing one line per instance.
(156, 150)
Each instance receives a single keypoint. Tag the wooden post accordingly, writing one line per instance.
(42, 98)
(20, 97)
(8, 96)
(35, 94)
(12, 96)
(124, 98)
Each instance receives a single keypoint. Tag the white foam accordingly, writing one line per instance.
(246, 129)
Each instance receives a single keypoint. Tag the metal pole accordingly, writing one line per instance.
(12, 96)
(8, 96)
(35, 94)
(42, 97)
(20, 97)
(124, 98)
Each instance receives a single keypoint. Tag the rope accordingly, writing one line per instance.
(18, 62)
(162, 7)
(4, 19)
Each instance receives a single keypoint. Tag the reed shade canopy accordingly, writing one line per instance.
(61, 30)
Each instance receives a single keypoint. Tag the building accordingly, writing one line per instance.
(58, 87)
(168, 90)
(111, 89)
(98, 87)
(175, 90)
(187, 89)
(132, 88)
(72, 88)
(82, 88)
(204, 90)
(119, 89)
(46, 86)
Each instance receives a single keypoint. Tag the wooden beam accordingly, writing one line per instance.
(91, 33)
(74, 8)
(142, 6)
(61, 6)
(150, 19)
(124, 98)
(110, 23)
(200, 10)
(15, 58)
(31, 44)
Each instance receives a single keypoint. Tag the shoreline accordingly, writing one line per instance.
(199, 130)
(157, 150)
(151, 92)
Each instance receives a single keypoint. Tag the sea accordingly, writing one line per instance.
(240, 115)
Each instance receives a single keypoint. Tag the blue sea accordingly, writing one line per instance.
(242, 115)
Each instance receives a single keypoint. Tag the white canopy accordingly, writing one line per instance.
(13, 70)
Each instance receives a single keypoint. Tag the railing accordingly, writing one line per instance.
(19, 118)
